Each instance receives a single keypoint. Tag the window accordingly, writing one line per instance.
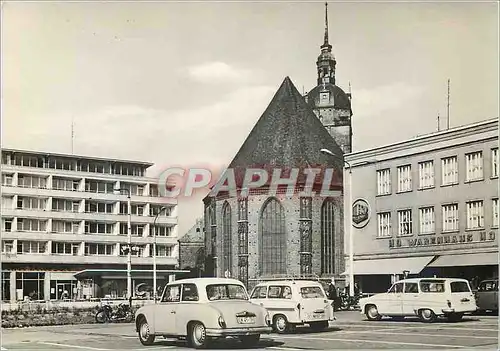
(449, 170)
(432, 286)
(61, 248)
(384, 182)
(324, 98)
(98, 207)
(426, 174)
(94, 186)
(135, 189)
(427, 220)
(65, 184)
(154, 210)
(459, 287)
(405, 223)
(172, 294)
(31, 247)
(243, 240)
(98, 228)
(226, 292)
(7, 224)
(153, 190)
(272, 238)
(494, 210)
(396, 288)
(65, 205)
(311, 292)
(404, 178)
(161, 230)
(135, 229)
(31, 203)
(411, 288)
(61, 163)
(489, 285)
(64, 227)
(279, 292)
(189, 292)
(328, 215)
(384, 224)
(163, 251)
(31, 225)
(29, 181)
(474, 166)
(450, 217)
(7, 179)
(137, 250)
(135, 210)
(8, 246)
(475, 215)
(494, 162)
(226, 238)
(93, 249)
(259, 292)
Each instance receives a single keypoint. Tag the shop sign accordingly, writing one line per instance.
(360, 213)
(435, 240)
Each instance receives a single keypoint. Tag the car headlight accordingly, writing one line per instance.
(222, 322)
(268, 319)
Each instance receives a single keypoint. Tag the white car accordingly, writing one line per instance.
(294, 302)
(426, 298)
(202, 309)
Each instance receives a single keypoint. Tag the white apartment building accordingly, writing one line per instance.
(64, 226)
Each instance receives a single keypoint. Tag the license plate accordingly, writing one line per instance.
(319, 315)
(246, 320)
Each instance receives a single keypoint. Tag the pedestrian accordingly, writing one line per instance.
(332, 294)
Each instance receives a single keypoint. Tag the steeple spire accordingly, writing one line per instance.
(326, 43)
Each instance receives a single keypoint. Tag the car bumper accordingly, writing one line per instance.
(238, 331)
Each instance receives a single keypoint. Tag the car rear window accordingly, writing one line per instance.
(432, 286)
(458, 287)
(311, 292)
(226, 292)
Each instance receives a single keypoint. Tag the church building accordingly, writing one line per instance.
(255, 235)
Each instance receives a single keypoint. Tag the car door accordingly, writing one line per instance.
(259, 296)
(165, 311)
(393, 305)
(187, 307)
(410, 298)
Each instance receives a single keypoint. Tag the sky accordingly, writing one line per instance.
(184, 83)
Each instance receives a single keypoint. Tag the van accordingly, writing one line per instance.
(487, 295)
(294, 302)
(426, 298)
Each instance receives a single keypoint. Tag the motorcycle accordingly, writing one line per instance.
(347, 302)
(122, 313)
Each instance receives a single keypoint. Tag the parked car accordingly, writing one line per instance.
(294, 302)
(426, 298)
(487, 295)
(202, 309)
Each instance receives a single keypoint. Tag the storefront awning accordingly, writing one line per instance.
(476, 259)
(90, 273)
(390, 265)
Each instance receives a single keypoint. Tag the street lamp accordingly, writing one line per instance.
(129, 241)
(154, 251)
(351, 232)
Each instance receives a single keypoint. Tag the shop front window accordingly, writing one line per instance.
(63, 289)
(30, 285)
(5, 286)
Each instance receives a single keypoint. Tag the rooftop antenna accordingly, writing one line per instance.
(350, 94)
(439, 129)
(72, 134)
(448, 108)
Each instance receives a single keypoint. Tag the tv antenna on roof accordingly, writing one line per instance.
(72, 134)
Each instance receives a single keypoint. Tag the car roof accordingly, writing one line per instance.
(206, 281)
(416, 280)
(289, 282)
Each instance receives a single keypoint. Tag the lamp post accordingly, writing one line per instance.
(129, 242)
(351, 232)
(154, 251)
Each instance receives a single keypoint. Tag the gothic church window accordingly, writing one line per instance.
(272, 238)
(226, 237)
(328, 237)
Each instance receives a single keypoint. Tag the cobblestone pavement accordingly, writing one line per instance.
(350, 331)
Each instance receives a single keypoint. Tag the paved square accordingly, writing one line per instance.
(350, 331)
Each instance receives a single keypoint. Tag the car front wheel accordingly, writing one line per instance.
(145, 336)
(427, 315)
(250, 340)
(371, 313)
(197, 336)
(280, 324)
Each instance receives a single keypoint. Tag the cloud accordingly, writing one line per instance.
(214, 72)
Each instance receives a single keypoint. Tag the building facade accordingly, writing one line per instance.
(64, 226)
(264, 235)
(192, 249)
(426, 207)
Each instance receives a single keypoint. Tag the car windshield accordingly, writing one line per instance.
(226, 292)
(311, 292)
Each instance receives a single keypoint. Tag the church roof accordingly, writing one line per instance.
(340, 98)
(287, 135)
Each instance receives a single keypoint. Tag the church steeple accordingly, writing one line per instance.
(326, 61)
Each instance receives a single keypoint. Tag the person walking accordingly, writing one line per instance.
(332, 294)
